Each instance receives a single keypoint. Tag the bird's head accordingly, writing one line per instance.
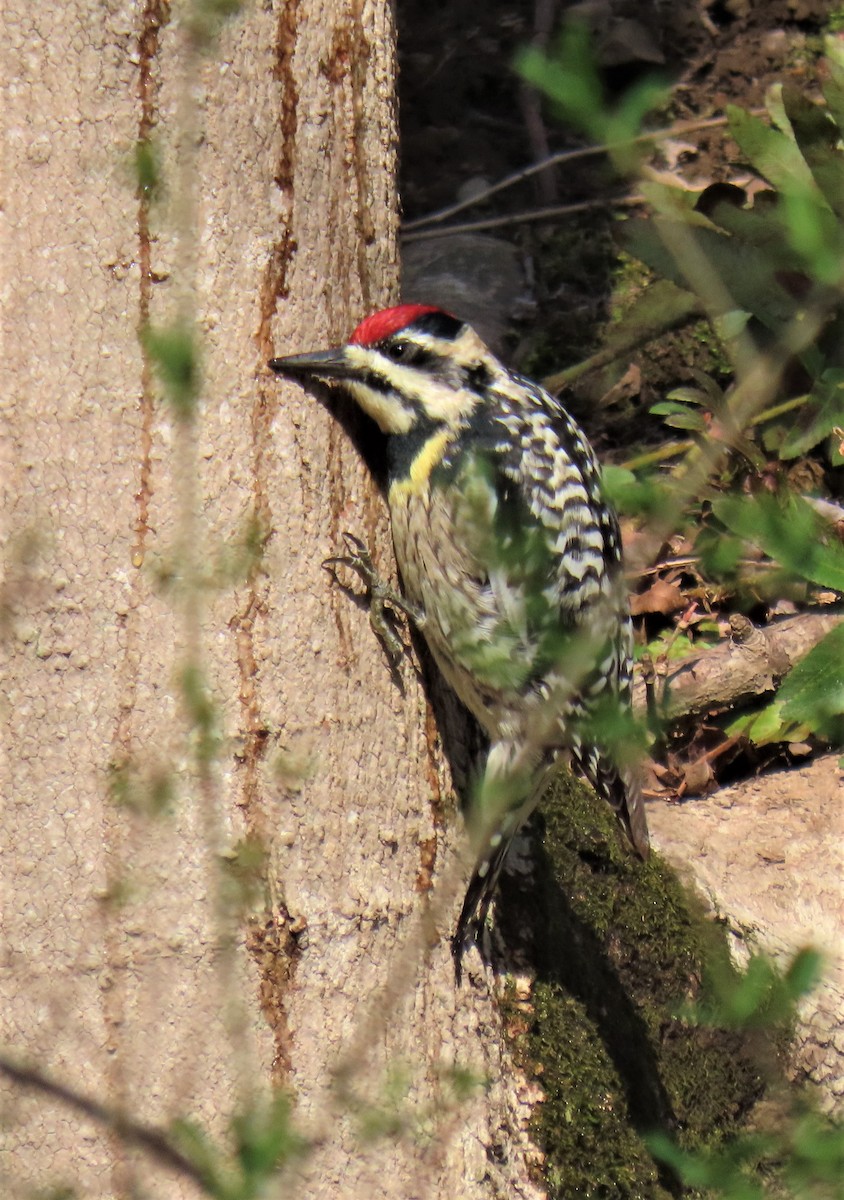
(405, 366)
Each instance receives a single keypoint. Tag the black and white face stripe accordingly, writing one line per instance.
(436, 370)
(406, 366)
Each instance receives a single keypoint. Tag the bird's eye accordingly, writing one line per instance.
(398, 351)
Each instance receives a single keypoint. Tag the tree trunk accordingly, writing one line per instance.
(134, 972)
(230, 858)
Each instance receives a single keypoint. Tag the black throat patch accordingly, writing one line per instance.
(403, 448)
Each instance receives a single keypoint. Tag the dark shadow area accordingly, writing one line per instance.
(468, 121)
(570, 954)
(617, 948)
(464, 111)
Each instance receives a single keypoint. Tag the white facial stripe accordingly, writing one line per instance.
(385, 408)
(438, 401)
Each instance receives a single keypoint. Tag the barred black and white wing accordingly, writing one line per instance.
(553, 562)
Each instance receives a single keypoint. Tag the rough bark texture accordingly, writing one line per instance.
(116, 978)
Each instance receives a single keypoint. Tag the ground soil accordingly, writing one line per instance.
(461, 110)
(468, 122)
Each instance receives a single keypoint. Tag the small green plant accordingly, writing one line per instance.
(570, 78)
(262, 1141)
(768, 270)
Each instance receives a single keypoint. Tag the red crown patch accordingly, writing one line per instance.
(381, 324)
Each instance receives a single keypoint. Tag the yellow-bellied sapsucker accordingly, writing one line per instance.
(510, 561)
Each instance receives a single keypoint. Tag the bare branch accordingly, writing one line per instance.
(749, 665)
(680, 129)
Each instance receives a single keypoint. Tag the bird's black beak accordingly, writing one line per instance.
(321, 364)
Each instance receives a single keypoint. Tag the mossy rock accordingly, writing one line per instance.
(619, 948)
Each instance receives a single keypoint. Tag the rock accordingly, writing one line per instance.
(769, 853)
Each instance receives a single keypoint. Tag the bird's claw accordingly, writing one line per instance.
(381, 595)
(358, 560)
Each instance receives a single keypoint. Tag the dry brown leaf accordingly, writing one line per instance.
(626, 388)
(661, 597)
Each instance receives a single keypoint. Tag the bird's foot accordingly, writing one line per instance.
(381, 595)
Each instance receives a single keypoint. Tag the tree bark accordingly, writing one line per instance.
(129, 972)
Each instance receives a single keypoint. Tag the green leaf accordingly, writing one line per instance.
(731, 324)
(813, 691)
(767, 726)
(772, 152)
(833, 85)
(174, 356)
(640, 99)
(818, 137)
(689, 395)
(669, 647)
(725, 1172)
(789, 531)
(750, 274)
(194, 1143)
(265, 1139)
(675, 203)
(694, 422)
(201, 712)
(823, 413)
(762, 996)
(720, 554)
(632, 495)
(570, 78)
(763, 224)
(815, 236)
(665, 407)
(804, 972)
(817, 1157)
(148, 168)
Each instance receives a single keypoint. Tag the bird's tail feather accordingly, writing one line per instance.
(621, 790)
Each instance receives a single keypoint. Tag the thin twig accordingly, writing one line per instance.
(155, 1142)
(567, 156)
(521, 218)
(667, 564)
(673, 449)
(687, 306)
(650, 457)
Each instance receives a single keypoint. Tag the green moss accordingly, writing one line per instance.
(619, 947)
(584, 1126)
(630, 278)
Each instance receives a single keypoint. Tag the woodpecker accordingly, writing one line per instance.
(510, 562)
